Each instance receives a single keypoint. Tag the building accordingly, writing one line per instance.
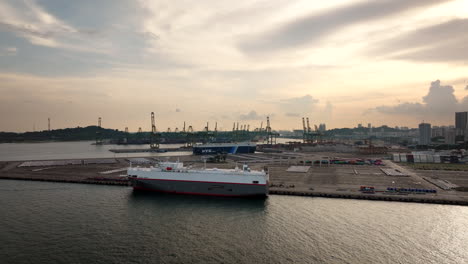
(424, 134)
(439, 131)
(460, 122)
(450, 136)
(322, 128)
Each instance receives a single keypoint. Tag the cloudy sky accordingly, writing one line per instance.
(338, 62)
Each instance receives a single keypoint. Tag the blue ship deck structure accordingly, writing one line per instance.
(228, 148)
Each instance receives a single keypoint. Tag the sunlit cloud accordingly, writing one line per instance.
(443, 42)
(440, 101)
(310, 28)
(224, 61)
(252, 115)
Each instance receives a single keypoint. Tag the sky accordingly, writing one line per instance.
(341, 63)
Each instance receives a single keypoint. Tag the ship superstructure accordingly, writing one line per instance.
(228, 148)
(173, 177)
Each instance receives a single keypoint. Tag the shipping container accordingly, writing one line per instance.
(403, 158)
(453, 159)
(423, 158)
(417, 158)
(430, 158)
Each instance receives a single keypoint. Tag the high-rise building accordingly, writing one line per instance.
(439, 131)
(424, 134)
(322, 128)
(460, 122)
(369, 127)
(450, 136)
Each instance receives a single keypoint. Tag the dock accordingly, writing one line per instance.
(288, 176)
(388, 198)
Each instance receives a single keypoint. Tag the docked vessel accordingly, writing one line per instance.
(173, 177)
(228, 148)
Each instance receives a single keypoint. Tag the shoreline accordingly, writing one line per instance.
(373, 197)
(277, 191)
(329, 181)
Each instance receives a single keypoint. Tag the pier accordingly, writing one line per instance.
(295, 174)
(377, 197)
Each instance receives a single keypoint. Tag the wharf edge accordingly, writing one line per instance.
(280, 192)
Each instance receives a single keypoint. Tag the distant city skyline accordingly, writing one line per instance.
(340, 63)
(241, 126)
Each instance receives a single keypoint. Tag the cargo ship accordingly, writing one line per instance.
(173, 177)
(228, 148)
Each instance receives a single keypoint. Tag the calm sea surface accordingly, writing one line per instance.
(73, 150)
(72, 223)
(42, 222)
(80, 149)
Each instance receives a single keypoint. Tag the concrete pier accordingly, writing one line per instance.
(377, 197)
(288, 176)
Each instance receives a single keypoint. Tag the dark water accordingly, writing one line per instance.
(80, 150)
(72, 223)
(74, 150)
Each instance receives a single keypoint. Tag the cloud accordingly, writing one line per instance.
(252, 115)
(79, 38)
(293, 114)
(403, 108)
(309, 29)
(440, 102)
(177, 110)
(298, 105)
(29, 20)
(446, 41)
(8, 51)
(34, 21)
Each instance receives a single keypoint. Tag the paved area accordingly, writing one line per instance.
(459, 178)
(328, 179)
(349, 177)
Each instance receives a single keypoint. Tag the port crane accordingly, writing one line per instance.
(155, 138)
(98, 132)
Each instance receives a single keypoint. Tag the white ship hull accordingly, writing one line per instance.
(200, 182)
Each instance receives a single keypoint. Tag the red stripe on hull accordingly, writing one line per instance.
(146, 179)
(190, 193)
